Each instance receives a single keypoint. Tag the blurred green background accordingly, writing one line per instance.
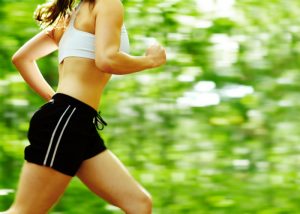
(214, 131)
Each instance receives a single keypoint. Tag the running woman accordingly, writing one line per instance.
(92, 44)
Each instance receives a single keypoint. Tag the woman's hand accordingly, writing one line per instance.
(157, 54)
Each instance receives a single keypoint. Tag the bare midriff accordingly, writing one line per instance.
(81, 79)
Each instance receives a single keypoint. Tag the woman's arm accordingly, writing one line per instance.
(109, 59)
(25, 58)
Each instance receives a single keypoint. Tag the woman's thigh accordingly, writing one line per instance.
(106, 176)
(39, 188)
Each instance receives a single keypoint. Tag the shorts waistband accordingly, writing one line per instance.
(85, 109)
(64, 98)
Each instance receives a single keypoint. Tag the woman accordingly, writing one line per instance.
(64, 141)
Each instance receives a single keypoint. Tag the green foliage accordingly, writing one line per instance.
(214, 131)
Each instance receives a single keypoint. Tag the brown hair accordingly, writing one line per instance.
(51, 12)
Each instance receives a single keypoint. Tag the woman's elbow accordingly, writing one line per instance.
(104, 64)
(15, 58)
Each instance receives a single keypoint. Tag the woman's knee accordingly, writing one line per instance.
(145, 201)
(140, 204)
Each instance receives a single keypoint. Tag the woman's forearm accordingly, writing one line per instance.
(122, 63)
(31, 74)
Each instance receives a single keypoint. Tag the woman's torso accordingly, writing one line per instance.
(79, 77)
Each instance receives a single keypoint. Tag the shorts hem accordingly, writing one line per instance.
(53, 168)
(95, 154)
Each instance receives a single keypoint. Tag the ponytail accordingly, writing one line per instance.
(53, 11)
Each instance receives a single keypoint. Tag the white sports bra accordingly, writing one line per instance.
(82, 44)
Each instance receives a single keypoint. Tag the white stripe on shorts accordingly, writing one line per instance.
(53, 134)
(58, 141)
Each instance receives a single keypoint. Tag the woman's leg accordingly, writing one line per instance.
(39, 188)
(106, 176)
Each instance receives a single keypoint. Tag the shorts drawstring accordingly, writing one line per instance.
(99, 120)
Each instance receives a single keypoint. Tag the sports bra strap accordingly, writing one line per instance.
(78, 7)
(74, 15)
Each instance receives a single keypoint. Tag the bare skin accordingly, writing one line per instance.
(41, 187)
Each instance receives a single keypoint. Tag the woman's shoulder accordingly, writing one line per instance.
(56, 31)
(99, 4)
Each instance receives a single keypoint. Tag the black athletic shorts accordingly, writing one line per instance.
(63, 133)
